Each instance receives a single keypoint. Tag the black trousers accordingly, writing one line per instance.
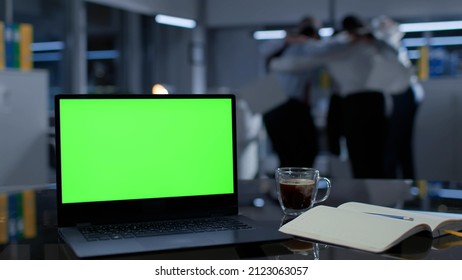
(293, 134)
(399, 154)
(364, 127)
(334, 124)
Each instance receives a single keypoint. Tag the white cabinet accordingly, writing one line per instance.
(23, 127)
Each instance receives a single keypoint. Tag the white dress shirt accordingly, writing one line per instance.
(294, 83)
(355, 66)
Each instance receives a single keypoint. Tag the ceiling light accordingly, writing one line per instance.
(175, 21)
(430, 26)
(281, 34)
(269, 34)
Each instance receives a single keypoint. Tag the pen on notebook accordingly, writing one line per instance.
(392, 216)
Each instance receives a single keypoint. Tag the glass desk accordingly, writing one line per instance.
(28, 222)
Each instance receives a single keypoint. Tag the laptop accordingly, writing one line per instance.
(140, 161)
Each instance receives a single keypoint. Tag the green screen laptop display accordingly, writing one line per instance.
(124, 149)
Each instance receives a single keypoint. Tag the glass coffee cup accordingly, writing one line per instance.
(297, 189)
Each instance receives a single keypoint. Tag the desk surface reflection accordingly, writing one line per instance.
(28, 222)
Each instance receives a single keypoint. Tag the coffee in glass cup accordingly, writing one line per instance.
(297, 189)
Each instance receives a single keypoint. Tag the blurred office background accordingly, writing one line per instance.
(118, 46)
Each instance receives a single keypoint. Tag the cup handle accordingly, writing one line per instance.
(326, 195)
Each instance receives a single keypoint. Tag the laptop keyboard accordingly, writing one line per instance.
(135, 230)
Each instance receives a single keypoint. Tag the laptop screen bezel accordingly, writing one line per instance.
(139, 210)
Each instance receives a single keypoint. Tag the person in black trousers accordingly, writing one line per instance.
(352, 58)
(290, 126)
(399, 156)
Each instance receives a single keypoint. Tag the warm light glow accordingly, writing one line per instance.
(159, 89)
(175, 21)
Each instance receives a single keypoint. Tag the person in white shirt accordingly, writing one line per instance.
(290, 126)
(399, 156)
(355, 60)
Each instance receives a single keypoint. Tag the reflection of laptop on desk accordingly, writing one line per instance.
(128, 159)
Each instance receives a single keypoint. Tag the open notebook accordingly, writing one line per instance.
(368, 227)
(127, 159)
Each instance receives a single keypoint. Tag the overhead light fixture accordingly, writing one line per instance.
(281, 34)
(430, 26)
(269, 35)
(175, 21)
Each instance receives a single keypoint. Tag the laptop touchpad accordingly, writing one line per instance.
(174, 241)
